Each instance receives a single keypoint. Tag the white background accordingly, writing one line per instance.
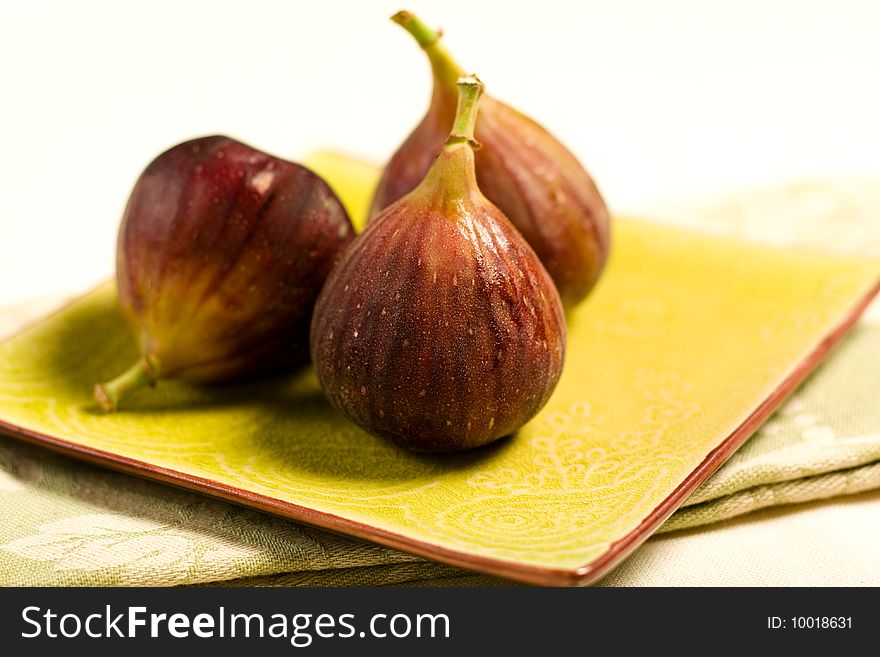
(660, 100)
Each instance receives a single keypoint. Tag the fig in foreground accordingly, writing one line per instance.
(522, 168)
(440, 329)
(221, 254)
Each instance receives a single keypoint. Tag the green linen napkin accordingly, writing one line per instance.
(824, 441)
(63, 522)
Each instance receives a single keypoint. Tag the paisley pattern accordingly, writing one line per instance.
(633, 414)
(685, 336)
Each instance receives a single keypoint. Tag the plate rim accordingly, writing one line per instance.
(582, 575)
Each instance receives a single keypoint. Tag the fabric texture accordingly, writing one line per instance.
(824, 442)
(63, 522)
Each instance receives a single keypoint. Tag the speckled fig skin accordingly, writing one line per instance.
(439, 329)
(220, 257)
(535, 180)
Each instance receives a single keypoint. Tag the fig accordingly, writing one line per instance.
(221, 253)
(521, 168)
(440, 329)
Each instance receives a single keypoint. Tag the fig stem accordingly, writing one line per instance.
(142, 373)
(446, 71)
(423, 34)
(470, 88)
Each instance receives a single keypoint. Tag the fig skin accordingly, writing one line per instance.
(529, 174)
(221, 254)
(439, 329)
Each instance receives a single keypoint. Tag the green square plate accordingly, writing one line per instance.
(687, 345)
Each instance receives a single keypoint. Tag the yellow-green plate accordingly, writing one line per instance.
(688, 343)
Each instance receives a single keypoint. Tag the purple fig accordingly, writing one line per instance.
(220, 257)
(440, 329)
(521, 168)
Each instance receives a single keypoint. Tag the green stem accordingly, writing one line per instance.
(143, 373)
(420, 31)
(469, 91)
(446, 71)
(452, 180)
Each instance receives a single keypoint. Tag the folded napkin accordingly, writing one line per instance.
(825, 441)
(63, 522)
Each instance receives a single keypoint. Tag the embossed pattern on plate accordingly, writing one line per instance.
(688, 343)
